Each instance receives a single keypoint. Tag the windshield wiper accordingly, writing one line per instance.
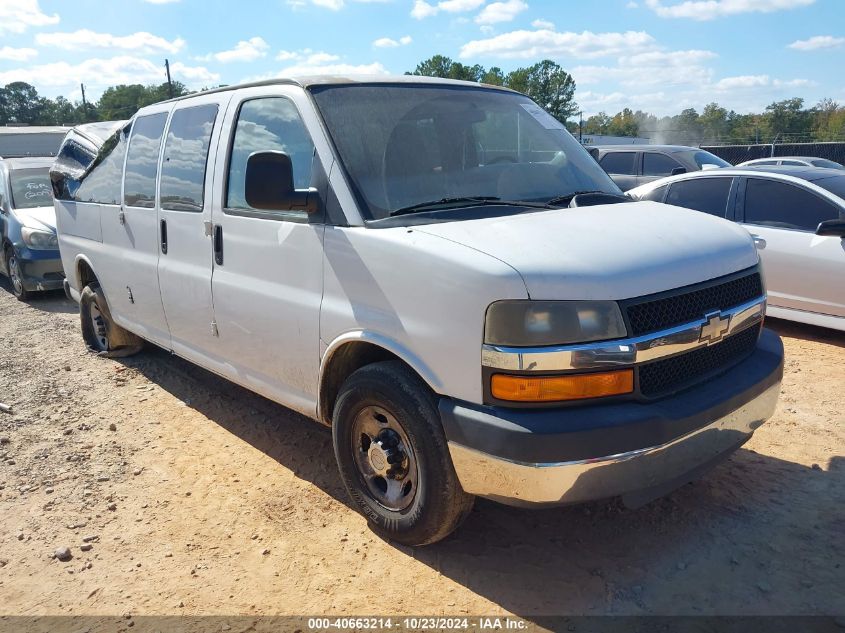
(464, 201)
(568, 197)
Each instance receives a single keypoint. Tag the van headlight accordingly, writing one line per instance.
(39, 240)
(528, 323)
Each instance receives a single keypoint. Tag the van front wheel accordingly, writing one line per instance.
(393, 456)
(100, 332)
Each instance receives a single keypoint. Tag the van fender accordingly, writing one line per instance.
(76, 280)
(388, 344)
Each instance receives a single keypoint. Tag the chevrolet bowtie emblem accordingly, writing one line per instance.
(714, 328)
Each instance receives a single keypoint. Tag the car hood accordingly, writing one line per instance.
(40, 218)
(613, 251)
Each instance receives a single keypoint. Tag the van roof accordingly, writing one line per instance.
(308, 81)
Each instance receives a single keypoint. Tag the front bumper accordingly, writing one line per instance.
(41, 270)
(631, 449)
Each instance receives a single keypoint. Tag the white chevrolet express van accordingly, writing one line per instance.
(436, 270)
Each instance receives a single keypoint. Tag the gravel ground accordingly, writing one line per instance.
(177, 492)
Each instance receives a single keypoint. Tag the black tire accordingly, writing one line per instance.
(100, 332)
(439, 504)
(13, 270)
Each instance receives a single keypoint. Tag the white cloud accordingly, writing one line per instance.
(387, 42)
(17, 54)
(496, 12)
(98, 74)
(244, 51)
(818, 42)
(334, 5)
(16, 16)
(710, 9)
(543, 24)
(654, 68)
(284, 56)
(423, 9)
(742, 81)
(141, 42)
(632, 5)
(545, 43)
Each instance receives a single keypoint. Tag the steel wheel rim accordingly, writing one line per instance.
(384, 458)
(101, 335)
(15, 274)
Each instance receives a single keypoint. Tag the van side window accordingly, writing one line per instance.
(139, 188)
(185, 158)
(268, 124)
(101, 184)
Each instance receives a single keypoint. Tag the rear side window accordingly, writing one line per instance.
(185, 158)
(655, 164)
(31, 188)
(619, 163)
(709, 195)
(101, 183)
(765, 162)
(792, 163)
(139, 188)
(656, 194)
(269, 124)
(784, 205)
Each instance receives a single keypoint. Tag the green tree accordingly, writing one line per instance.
(494, 76)
(20, 103)
(549, 85)
(445, 68)
(121, 102)
(624, 124)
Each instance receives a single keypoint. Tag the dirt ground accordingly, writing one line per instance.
(198, 497)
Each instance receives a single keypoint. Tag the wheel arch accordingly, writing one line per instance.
(83, 272)
(354, 350)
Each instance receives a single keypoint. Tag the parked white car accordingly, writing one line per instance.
(796, 216)
(793, 161)
(440, 273)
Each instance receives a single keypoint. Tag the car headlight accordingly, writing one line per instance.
(39, 240)
(539, 323)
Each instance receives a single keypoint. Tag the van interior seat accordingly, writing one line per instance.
(408, 168)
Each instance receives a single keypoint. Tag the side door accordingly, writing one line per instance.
(184, 216)
(622, 166)
(657, 165)
(712, 195)
(268, 271)
(803, 270)
(129, 227)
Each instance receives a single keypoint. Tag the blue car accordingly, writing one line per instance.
(30, 251)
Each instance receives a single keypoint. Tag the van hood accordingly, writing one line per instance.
(613, 251)
(40, 218)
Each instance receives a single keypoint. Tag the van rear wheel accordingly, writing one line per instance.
(393, 456)
(100, 332)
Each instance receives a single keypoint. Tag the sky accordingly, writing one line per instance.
(655, 55)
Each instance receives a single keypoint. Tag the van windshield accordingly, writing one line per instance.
(31, 188)
(407, 144)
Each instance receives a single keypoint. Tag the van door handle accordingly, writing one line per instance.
(164, 236)
(759, 242)
(218, 245)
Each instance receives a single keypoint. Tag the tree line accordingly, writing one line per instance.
(545, 82)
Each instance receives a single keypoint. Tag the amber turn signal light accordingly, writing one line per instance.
(559, 388)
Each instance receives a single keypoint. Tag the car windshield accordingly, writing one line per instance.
(702, 158)
(405, 145)
(31, 188)
(835, 185)
(828, 164)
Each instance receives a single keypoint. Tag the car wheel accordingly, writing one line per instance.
(100, 332)
(13, 267)
(393, 456)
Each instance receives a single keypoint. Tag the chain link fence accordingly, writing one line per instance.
(736, 154)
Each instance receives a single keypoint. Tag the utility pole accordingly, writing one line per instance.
(84, 103)
(580, 126)
(169, 83)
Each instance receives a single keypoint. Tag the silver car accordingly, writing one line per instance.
(796, 216)
(793, 161)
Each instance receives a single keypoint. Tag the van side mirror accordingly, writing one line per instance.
(677, 171)
(831, 227)
(268, 184)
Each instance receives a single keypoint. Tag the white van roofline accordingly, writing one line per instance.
(308, 81)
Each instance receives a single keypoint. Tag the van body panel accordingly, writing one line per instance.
(374, 282)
